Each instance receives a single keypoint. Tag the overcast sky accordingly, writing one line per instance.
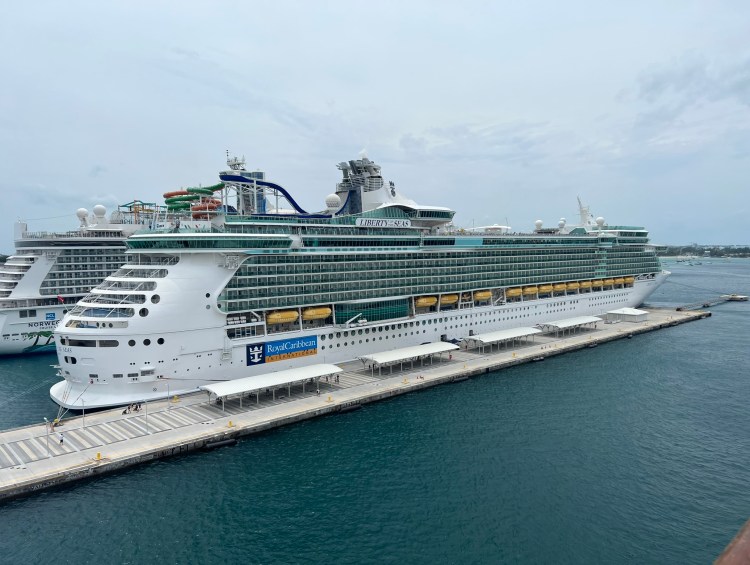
(501, 111)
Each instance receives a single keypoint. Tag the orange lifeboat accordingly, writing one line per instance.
(282, 317)
(482, 295)
(425, 301)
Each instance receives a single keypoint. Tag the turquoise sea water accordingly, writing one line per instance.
(637, 451)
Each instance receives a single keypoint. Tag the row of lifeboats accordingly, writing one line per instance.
(290, 316)
(449, 299)
(324, 312)
(584, 286)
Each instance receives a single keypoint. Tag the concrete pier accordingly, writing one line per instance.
(32, 458)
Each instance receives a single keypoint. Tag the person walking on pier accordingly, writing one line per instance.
(62, 439)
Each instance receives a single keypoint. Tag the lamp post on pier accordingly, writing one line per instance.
(46, 427)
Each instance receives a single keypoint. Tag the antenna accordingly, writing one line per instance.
(585, 213)
(235, 163)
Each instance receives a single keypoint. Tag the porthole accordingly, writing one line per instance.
(208, 295)
(146, 341)
(160, 341)
(131, 343)
(155, 299)
(143, 312)
(208, 306)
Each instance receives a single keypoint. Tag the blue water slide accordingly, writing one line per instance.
(273, 185)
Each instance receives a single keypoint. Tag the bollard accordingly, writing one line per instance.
(329, 399)
(98, 456)
(230, 424)
(175, 398)
(405, 381)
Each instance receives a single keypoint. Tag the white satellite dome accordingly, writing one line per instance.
(333, 202)
(538, 224)
(600, 221)
(99, 211)
(81, 213)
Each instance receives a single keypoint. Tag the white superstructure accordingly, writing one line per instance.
(50, 271)
(226, 296)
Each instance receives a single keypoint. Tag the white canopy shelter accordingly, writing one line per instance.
(501, 336)
(271, 381)
(569, 324)
(407, 354)
(627, 315)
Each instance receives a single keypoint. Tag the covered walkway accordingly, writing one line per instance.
(270, 381)
(406, 355)
(569, 324)
(502, 337)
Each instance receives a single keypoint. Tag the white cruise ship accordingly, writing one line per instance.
(249, 283)
(50, 272)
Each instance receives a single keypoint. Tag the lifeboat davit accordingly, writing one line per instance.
(482, 295)
(425, 301)
(320, 313)
(447, 299)
(512, 292)
(282, 317)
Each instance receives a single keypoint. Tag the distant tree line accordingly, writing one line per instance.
(707, 250)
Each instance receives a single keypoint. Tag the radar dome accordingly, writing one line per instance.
(538, 224)
(600, 221)
(561, 223)
(99, 211)
(333, 202)
(82, 213)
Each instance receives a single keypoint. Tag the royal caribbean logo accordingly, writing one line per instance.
(271, 351)
(255, 354)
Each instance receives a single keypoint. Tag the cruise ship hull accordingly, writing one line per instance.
(195, 362)
(29, 335)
